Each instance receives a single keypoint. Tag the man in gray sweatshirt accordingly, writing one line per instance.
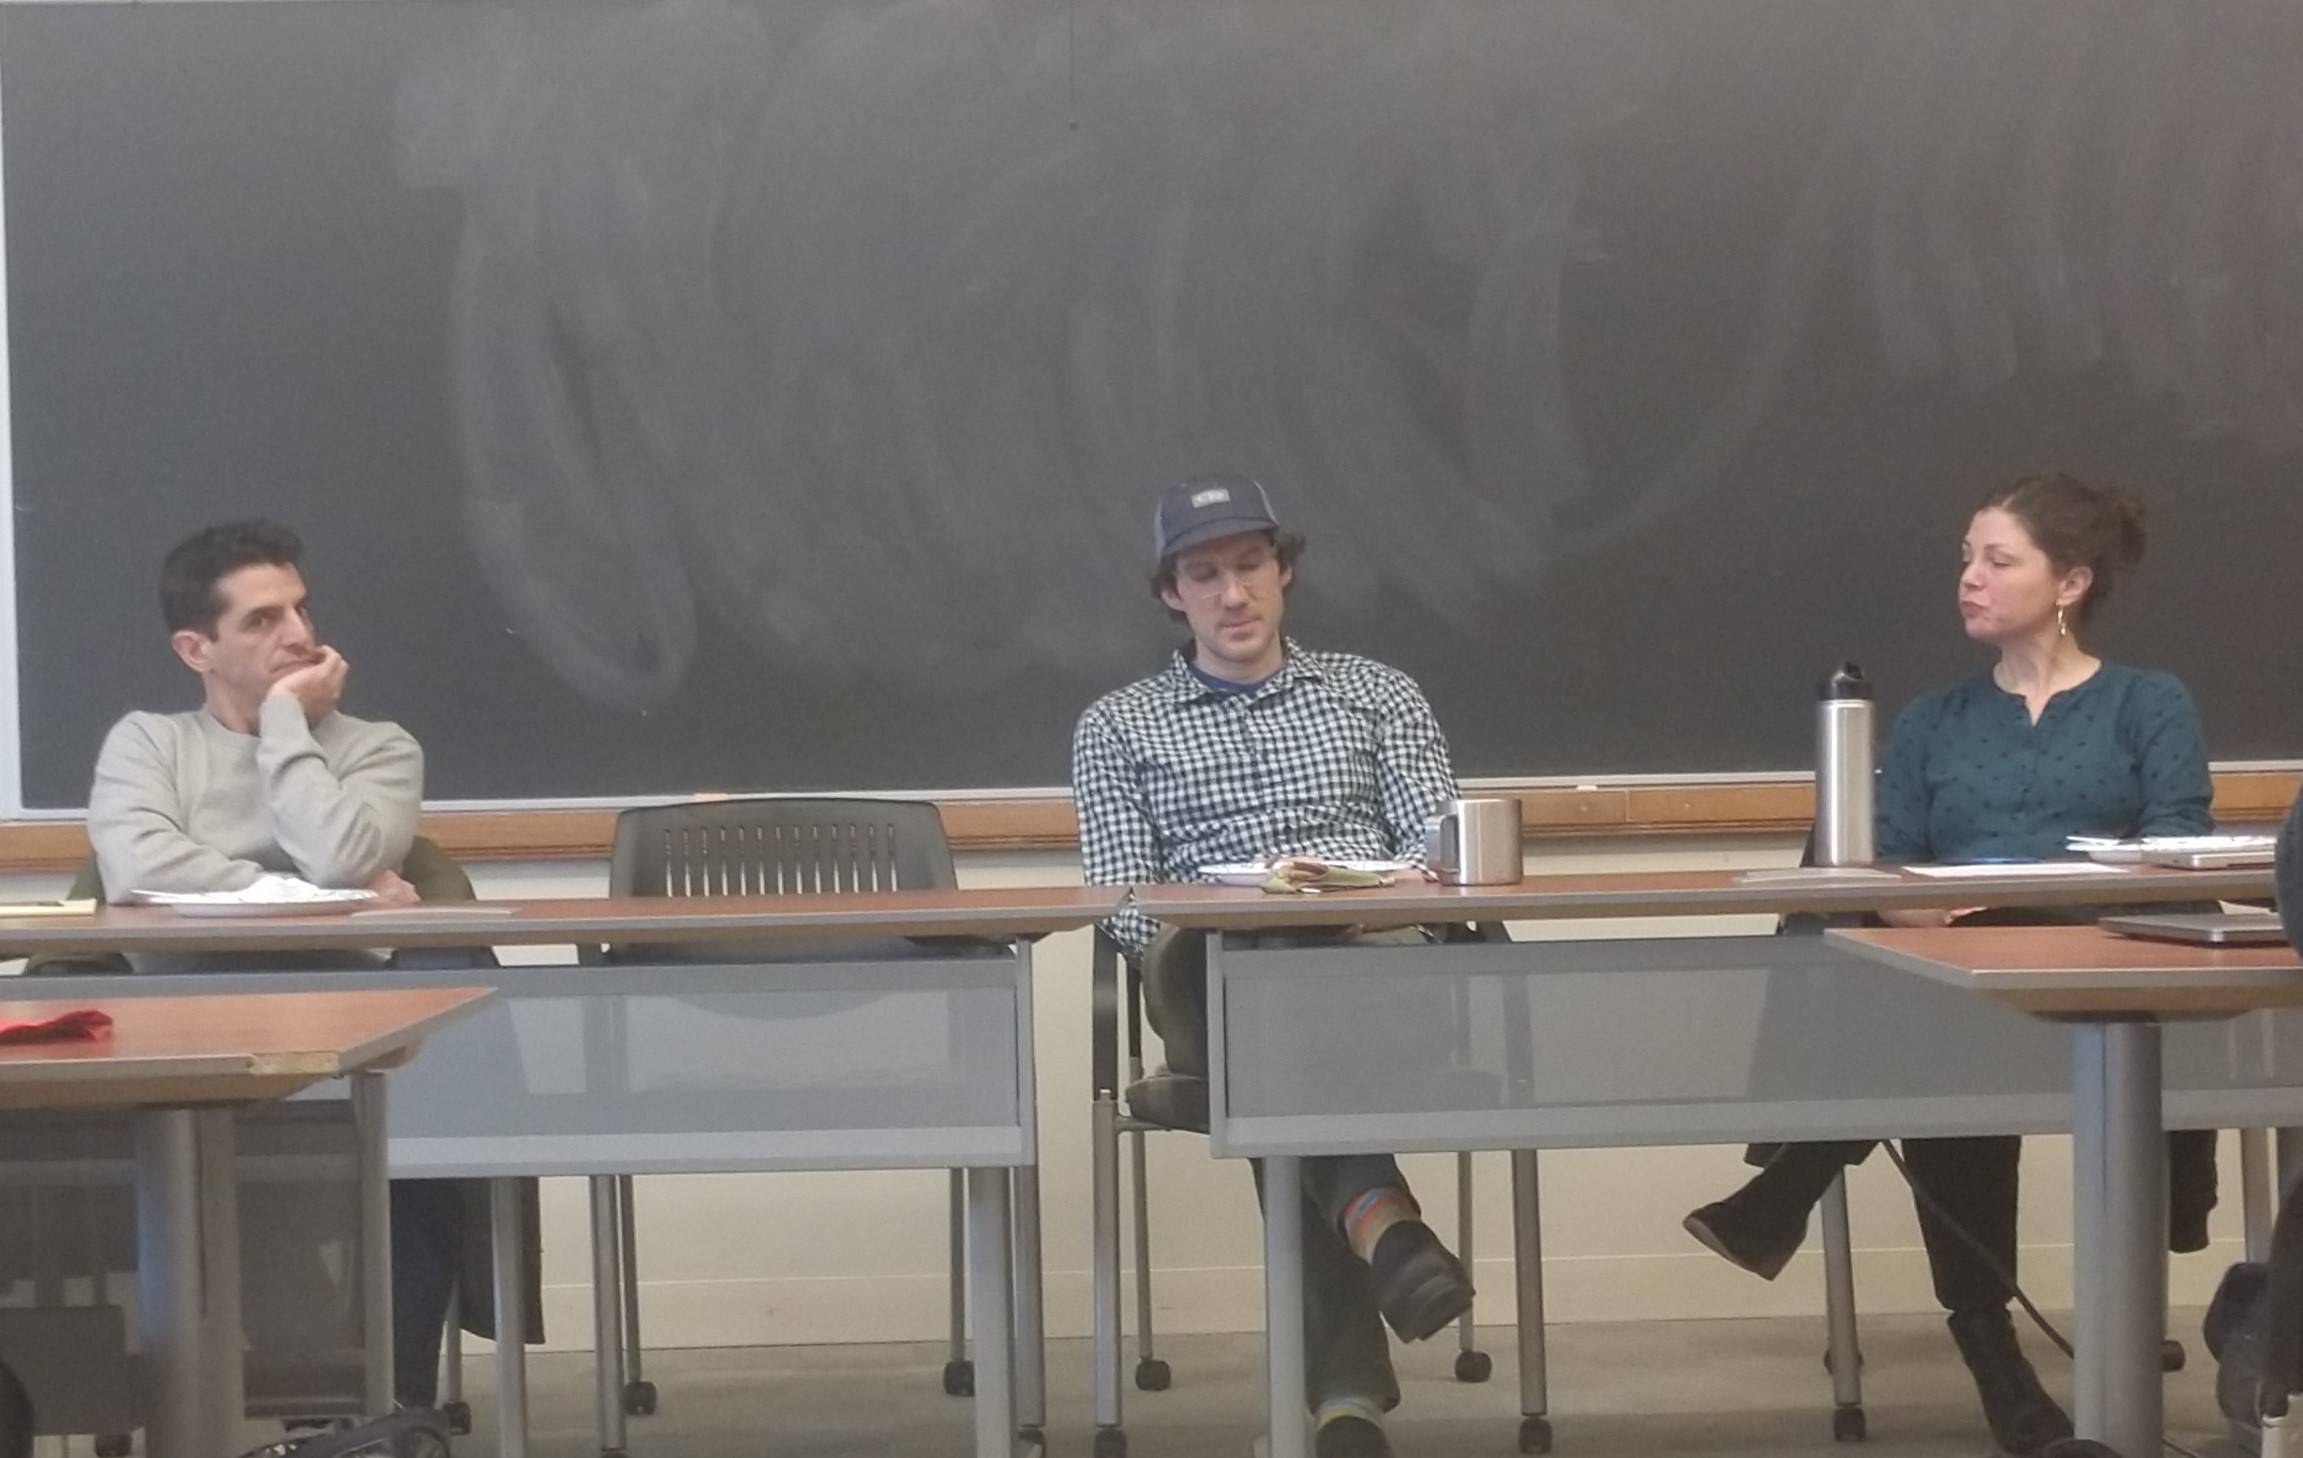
(268, 775)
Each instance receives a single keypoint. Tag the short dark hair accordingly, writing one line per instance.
(193, 567)
(1286, 546)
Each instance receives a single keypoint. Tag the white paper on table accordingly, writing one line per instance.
(2012, 870)
(267, 890)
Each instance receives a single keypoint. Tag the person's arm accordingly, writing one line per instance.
(136, 822)
(1899, 803)
(341, 827)
(1119, 845)
(2171, 755)
(1414, 777)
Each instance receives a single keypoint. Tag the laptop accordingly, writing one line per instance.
(2207, 928)
(2213, 860)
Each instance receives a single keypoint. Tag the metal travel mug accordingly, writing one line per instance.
(1843, 769)
(1474, 843)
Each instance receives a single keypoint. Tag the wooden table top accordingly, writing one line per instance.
(1000, 912)
(1677, 893)
(2082, 970)
(221, 1047)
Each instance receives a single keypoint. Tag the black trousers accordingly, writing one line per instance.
(427, 1232)
(1971, 1185)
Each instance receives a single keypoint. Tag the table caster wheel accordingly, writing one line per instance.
(1827, 1359)
(1534, 1435)
(2172, 1356)
(1473, 1366)
(640, 1399)
(459, 1416)
(1848, 1426)
(1111, 1443)
(960, 1378)
(1153, 1375)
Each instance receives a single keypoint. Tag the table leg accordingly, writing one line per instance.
(1104, 1175)
(511, 1262)
(1031, 1308)
(1283, 1307)
(368, 1120)
(222, 1334)
(1527, 1289)
(989, 1241)
(2119, 1151)
(607, 1316)
(187, 1278)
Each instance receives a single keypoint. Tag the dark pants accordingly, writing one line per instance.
(1971, 1184)
(1345, 1351)
(427, 1239)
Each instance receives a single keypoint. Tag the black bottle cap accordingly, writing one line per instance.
(1846, 682)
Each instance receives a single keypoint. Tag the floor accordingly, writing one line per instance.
(1724, 1388)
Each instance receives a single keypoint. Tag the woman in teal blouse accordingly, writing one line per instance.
(2051, 742)
(1969, 775)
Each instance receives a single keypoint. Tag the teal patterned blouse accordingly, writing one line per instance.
(1968, 777)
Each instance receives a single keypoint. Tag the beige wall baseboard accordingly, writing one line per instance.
(805, 1311)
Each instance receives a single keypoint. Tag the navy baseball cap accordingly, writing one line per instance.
(1202, 508)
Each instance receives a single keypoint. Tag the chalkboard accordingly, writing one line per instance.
(689, 394)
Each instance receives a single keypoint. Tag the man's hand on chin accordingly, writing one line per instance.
(317, 685)
(392, 891)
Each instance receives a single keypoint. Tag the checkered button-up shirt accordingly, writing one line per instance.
(1333, 756)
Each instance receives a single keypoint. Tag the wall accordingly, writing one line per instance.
(749, 1259)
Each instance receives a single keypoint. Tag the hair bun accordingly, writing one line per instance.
(2125, 512)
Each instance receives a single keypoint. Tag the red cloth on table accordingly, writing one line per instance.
(81, 1025)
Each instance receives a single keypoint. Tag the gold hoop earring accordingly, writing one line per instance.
(2062, 627)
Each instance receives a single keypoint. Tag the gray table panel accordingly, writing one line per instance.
(1671, 1041)
(686, 1067)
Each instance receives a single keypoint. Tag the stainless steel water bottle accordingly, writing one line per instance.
(1843, 769)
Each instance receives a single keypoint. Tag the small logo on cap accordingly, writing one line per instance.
(1210, 497)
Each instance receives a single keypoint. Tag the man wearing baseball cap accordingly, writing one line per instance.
(1247, 747)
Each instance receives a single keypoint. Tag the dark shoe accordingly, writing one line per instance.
(1751, 1230)
(1171, 1100)
(1350, 1437)
(1760, 1227)
(2237, 1331)
(2023, 1418)
(1419, 1284)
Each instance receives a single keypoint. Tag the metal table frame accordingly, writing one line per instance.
(187, 1215)
(1003, 1291)
(2113, 1061)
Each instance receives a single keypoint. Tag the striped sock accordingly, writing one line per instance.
(1366, 1409)
(1369, 1215)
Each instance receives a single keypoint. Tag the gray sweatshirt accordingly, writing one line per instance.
(182, 803)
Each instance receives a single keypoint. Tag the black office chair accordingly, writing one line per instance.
(761, 847)
(1164, 1101)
